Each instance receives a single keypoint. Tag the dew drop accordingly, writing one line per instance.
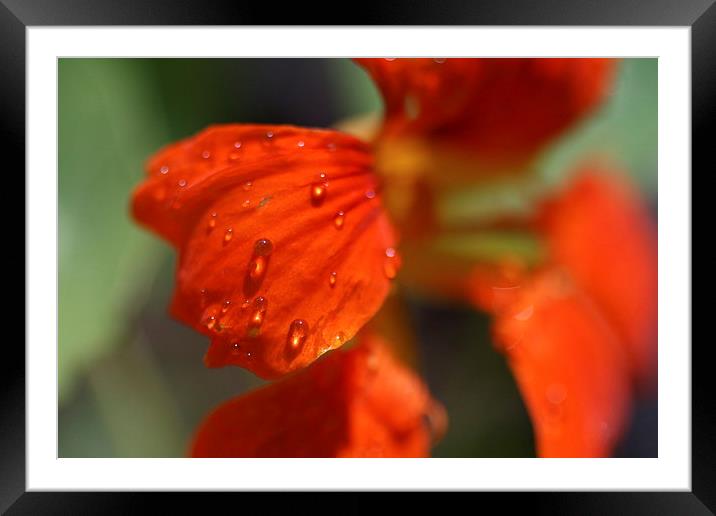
(237, 145)
(246, 203)
(260, 305)
(211, 322)
(370, 194)
(212, 220)
(297, 333)
(263, 247)
(332, 279)
(391, 263)
(226, 306)
(389, 58)
(439, 60)
(228, 235)
(234, 156)
(257, 267)
(235, 348)
(301, 144)
(182, 183)
(339, 219)
(318, 193)
(164, 170)
(269, 135)
(206, 154)
(339, 339)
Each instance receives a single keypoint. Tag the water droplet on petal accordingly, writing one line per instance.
(259, 306)
(212, 220)
(439, 60)
(300, 144)
(246, 203)
(247, 185)
(339, 219)
(331, 147)
(269, 135)
(211, 322)
(235, 348)
(225, 308)
(263, 247)
(182, 183)
(164, 170)
(370, 194)
(206, 154)
(228, 235)
(297, 333)
(392, 263)
(332, 279)
(389, 58)
(234, 156)
(237, 145)
(318, 193)
(258, 265)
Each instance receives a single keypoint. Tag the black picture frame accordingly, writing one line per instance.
(17, 15)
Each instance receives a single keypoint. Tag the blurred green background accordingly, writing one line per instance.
(131, 379)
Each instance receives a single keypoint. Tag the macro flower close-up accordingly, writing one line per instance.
(377, 257)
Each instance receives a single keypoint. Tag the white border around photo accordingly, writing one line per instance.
(670, 471)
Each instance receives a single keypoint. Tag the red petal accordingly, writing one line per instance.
(281, 238)
(356, 403)
(600, 230)
(569, 366)
(502, 109)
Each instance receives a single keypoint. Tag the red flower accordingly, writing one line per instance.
(355, 403)
(600, 231)
(581, 329)
(569, 365)
(500, 109)
(284, 249)
(285, 253)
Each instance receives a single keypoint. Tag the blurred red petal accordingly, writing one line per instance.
(355, 403)
(599, 229)
(501, 109)
(281, 236)
(569, 365)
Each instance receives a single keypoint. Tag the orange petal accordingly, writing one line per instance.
(355, 403)
(569, 366)
(600, 230)
(283, 244)
(501, 109)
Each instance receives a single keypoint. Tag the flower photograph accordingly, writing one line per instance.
(357, 257)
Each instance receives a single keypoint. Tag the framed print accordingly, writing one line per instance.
(394, 256)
